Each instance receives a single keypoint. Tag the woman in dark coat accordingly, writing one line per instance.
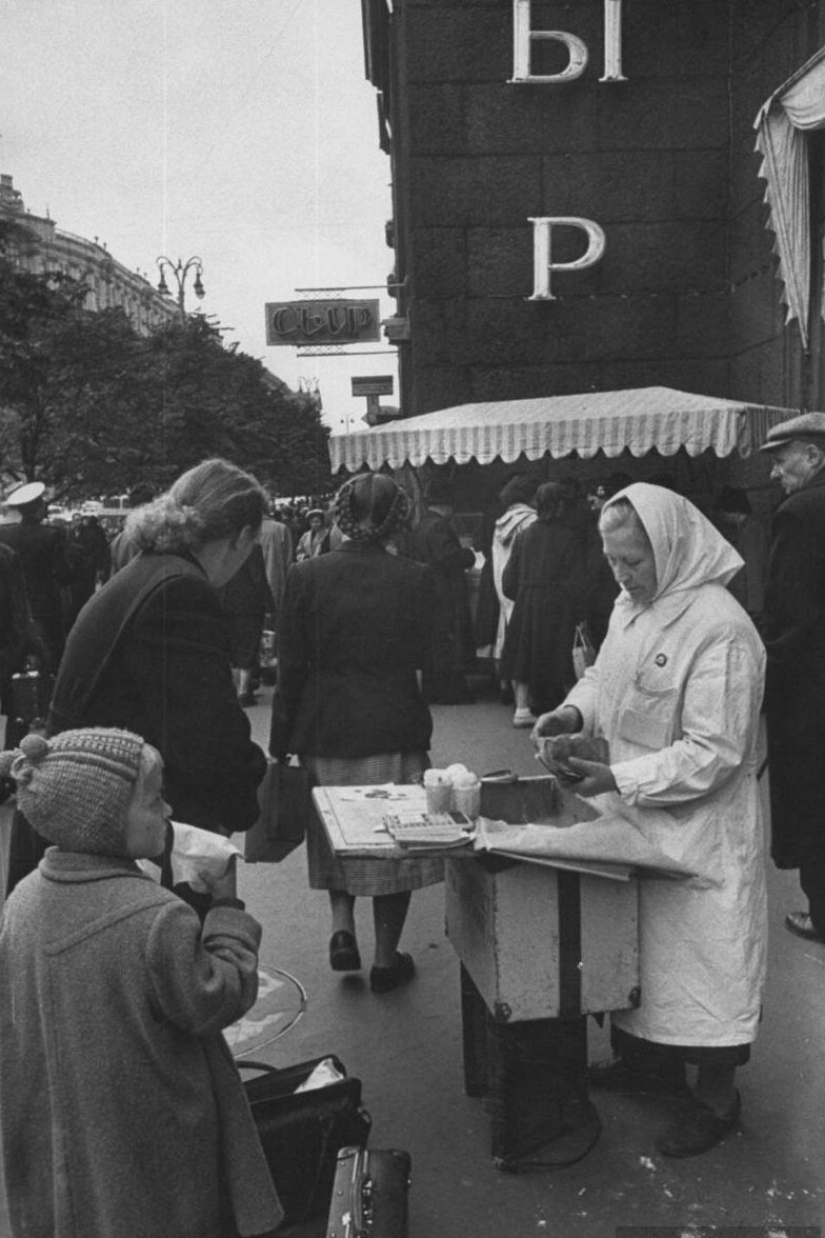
(451, 651)
(245, 600)
(150, 653)
(352, 638)
(540, 577)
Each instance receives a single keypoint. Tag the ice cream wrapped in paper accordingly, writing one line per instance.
(195, 853)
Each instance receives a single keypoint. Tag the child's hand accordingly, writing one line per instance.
(223, 886)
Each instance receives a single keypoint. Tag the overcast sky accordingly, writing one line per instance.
(243, 131)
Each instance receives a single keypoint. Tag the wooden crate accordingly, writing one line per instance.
(541, 942)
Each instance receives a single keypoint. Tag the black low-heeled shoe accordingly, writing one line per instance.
(697, 1129)
(343, 952)
(383, 979)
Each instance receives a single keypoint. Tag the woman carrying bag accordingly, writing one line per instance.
(348, 703)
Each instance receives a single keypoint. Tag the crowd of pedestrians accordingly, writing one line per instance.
(155, 656)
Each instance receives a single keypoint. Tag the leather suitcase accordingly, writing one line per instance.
(370, 1194)
(302, 1132)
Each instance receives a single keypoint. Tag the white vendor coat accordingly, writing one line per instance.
(676, 691)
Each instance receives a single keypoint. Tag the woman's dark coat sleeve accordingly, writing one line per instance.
(178, 653)
(293, 663)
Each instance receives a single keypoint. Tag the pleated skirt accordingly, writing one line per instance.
(365, 877)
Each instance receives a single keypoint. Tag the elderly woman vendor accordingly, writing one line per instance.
(673, 704)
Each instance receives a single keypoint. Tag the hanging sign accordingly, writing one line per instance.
(373, 384)
(298, 323)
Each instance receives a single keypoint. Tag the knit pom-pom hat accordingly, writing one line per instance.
(74, 789)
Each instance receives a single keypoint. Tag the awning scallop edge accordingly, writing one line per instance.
(638, 421)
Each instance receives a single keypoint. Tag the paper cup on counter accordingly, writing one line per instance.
(438, 791)
(466, 798)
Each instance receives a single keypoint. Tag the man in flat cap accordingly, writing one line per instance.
(44, 562)
(794, 631)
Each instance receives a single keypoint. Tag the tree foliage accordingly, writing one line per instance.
(92, 408)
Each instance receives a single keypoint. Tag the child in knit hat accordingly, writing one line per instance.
(122, 1111)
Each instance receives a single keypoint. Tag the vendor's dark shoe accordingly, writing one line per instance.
(697, 1129)
(801, 924)
(343, 952)
(623, 1079)
(382, 979)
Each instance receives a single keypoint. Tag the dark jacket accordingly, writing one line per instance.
(451, 650)
(794, 630)
(43, 554)
(354, 631)
(169, 679)
(248, 591)
(542, 576)
(16, 632)
(598, 588)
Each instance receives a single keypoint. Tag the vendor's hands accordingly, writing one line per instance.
(561, 721)
(564, 756)
(596, 778)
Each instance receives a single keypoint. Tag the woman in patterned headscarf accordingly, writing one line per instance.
(352, 638)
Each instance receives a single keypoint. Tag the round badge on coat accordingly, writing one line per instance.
(661, 659)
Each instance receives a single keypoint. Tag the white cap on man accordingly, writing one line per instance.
(28, 493)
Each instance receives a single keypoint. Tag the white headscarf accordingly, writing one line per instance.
(687, 549)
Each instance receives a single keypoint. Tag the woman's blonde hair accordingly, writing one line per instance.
(211, 501)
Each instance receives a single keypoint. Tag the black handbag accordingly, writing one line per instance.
(284, 798)
(302, 1132)
(31, 694)
(370, 1194)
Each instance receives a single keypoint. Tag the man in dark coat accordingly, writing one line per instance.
(794, 631)
(45, 564)
(88, 552)
(17, 636)
(434, 541)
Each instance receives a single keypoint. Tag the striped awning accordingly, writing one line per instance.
(603, 421)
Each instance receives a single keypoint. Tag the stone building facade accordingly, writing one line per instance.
(110, 284)
(635, 116)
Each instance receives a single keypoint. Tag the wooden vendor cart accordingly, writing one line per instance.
(540, 945)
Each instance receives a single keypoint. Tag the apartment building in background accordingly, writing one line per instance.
(111, 285)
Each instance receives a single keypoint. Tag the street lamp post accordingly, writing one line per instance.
(180, 270)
